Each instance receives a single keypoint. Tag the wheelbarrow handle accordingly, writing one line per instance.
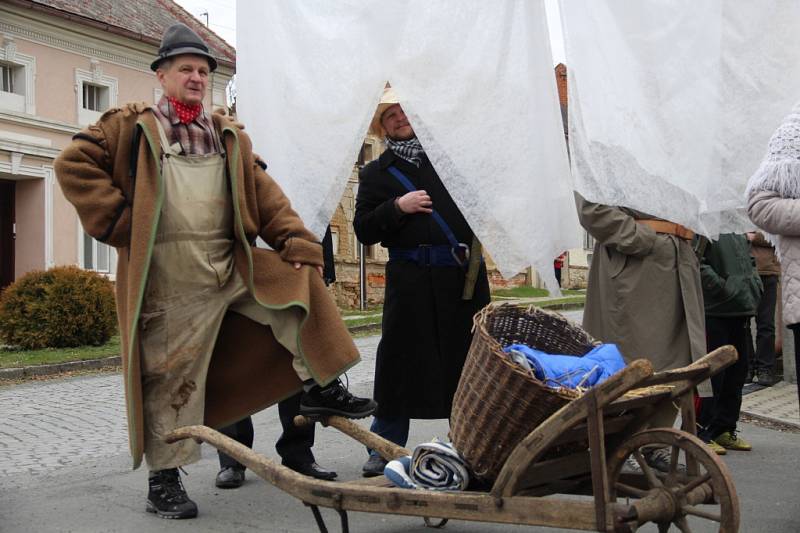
(387, 449)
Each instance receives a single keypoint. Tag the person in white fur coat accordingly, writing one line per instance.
(773, 204)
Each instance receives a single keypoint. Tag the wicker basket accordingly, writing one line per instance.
(497, 404)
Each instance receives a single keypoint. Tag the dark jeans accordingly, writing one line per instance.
(796, 330)
(391, 429)
(720, 413)
(294, 445)
(765, 326)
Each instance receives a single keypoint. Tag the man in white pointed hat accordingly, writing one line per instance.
(431, 291)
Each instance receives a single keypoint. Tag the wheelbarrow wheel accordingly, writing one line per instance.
(703, 490)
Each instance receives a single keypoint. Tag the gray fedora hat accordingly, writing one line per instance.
(180, 39)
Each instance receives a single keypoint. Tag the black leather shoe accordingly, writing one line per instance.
(335, 399)
(312, 470)
(374, 466)
(230, 477)
(167, 498)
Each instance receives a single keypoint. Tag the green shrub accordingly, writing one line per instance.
(61, 307)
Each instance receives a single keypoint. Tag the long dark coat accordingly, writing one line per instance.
(426, 325)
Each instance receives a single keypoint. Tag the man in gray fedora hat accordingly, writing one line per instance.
(213, 328)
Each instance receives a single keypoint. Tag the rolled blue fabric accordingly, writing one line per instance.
(571, 371)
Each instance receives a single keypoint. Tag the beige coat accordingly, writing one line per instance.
(781, 216)
(249, 369)
(644, 290)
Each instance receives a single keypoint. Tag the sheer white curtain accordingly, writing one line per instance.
(476, 79)
(671, 103)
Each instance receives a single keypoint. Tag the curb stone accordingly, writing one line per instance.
(9, 374)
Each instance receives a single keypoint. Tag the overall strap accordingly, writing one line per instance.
(405, 182)
(166, 147)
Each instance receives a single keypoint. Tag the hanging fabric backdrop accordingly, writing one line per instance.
(671, 104)
(475, 78)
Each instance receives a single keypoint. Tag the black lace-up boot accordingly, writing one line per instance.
(334, 399)
(167, 498)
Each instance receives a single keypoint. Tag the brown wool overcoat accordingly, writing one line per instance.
(249, 369)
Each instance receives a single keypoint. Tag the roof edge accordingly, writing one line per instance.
(123, 32)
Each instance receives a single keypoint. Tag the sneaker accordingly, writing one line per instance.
(765, 378)
(374, 466)
(731, 441)
(167, 498)
(631, 466)
(335, 399)
(660, 459)
(230, 477)
(716, 448)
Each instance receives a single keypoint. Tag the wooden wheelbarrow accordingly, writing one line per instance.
(610, 485)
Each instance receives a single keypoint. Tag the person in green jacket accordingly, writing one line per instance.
(732, 289)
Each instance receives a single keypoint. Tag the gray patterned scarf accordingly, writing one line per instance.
(411, 150)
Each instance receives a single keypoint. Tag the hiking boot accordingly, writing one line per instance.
(765, 378)
(716, 448)
(374, 466)
(731, 441)
(167, 498)
(335, 399)
(660, 459)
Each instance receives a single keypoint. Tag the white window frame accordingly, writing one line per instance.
(371, 146)
(588, 241)
(111, 271)
(83, 116)
(25, 100)
(100, 96)
(335, 240)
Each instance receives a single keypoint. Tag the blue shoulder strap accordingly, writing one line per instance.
(405, 182)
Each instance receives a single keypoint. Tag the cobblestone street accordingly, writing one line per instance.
(48, 425)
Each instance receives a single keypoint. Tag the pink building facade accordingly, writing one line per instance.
(61, 66)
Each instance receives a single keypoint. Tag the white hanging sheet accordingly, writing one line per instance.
(475, 78)
(671, 104)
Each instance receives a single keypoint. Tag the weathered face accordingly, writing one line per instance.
(184, 78)
(395, 122)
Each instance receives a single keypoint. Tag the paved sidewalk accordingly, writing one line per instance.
(777, 403)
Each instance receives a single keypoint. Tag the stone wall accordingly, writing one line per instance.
(574, 277)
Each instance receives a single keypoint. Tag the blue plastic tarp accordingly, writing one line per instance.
(571, 371)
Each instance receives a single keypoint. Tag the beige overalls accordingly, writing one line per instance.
(191, 284)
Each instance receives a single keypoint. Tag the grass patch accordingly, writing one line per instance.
(373, 319)
(526, 291)
(561, 301)
(13, 358)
